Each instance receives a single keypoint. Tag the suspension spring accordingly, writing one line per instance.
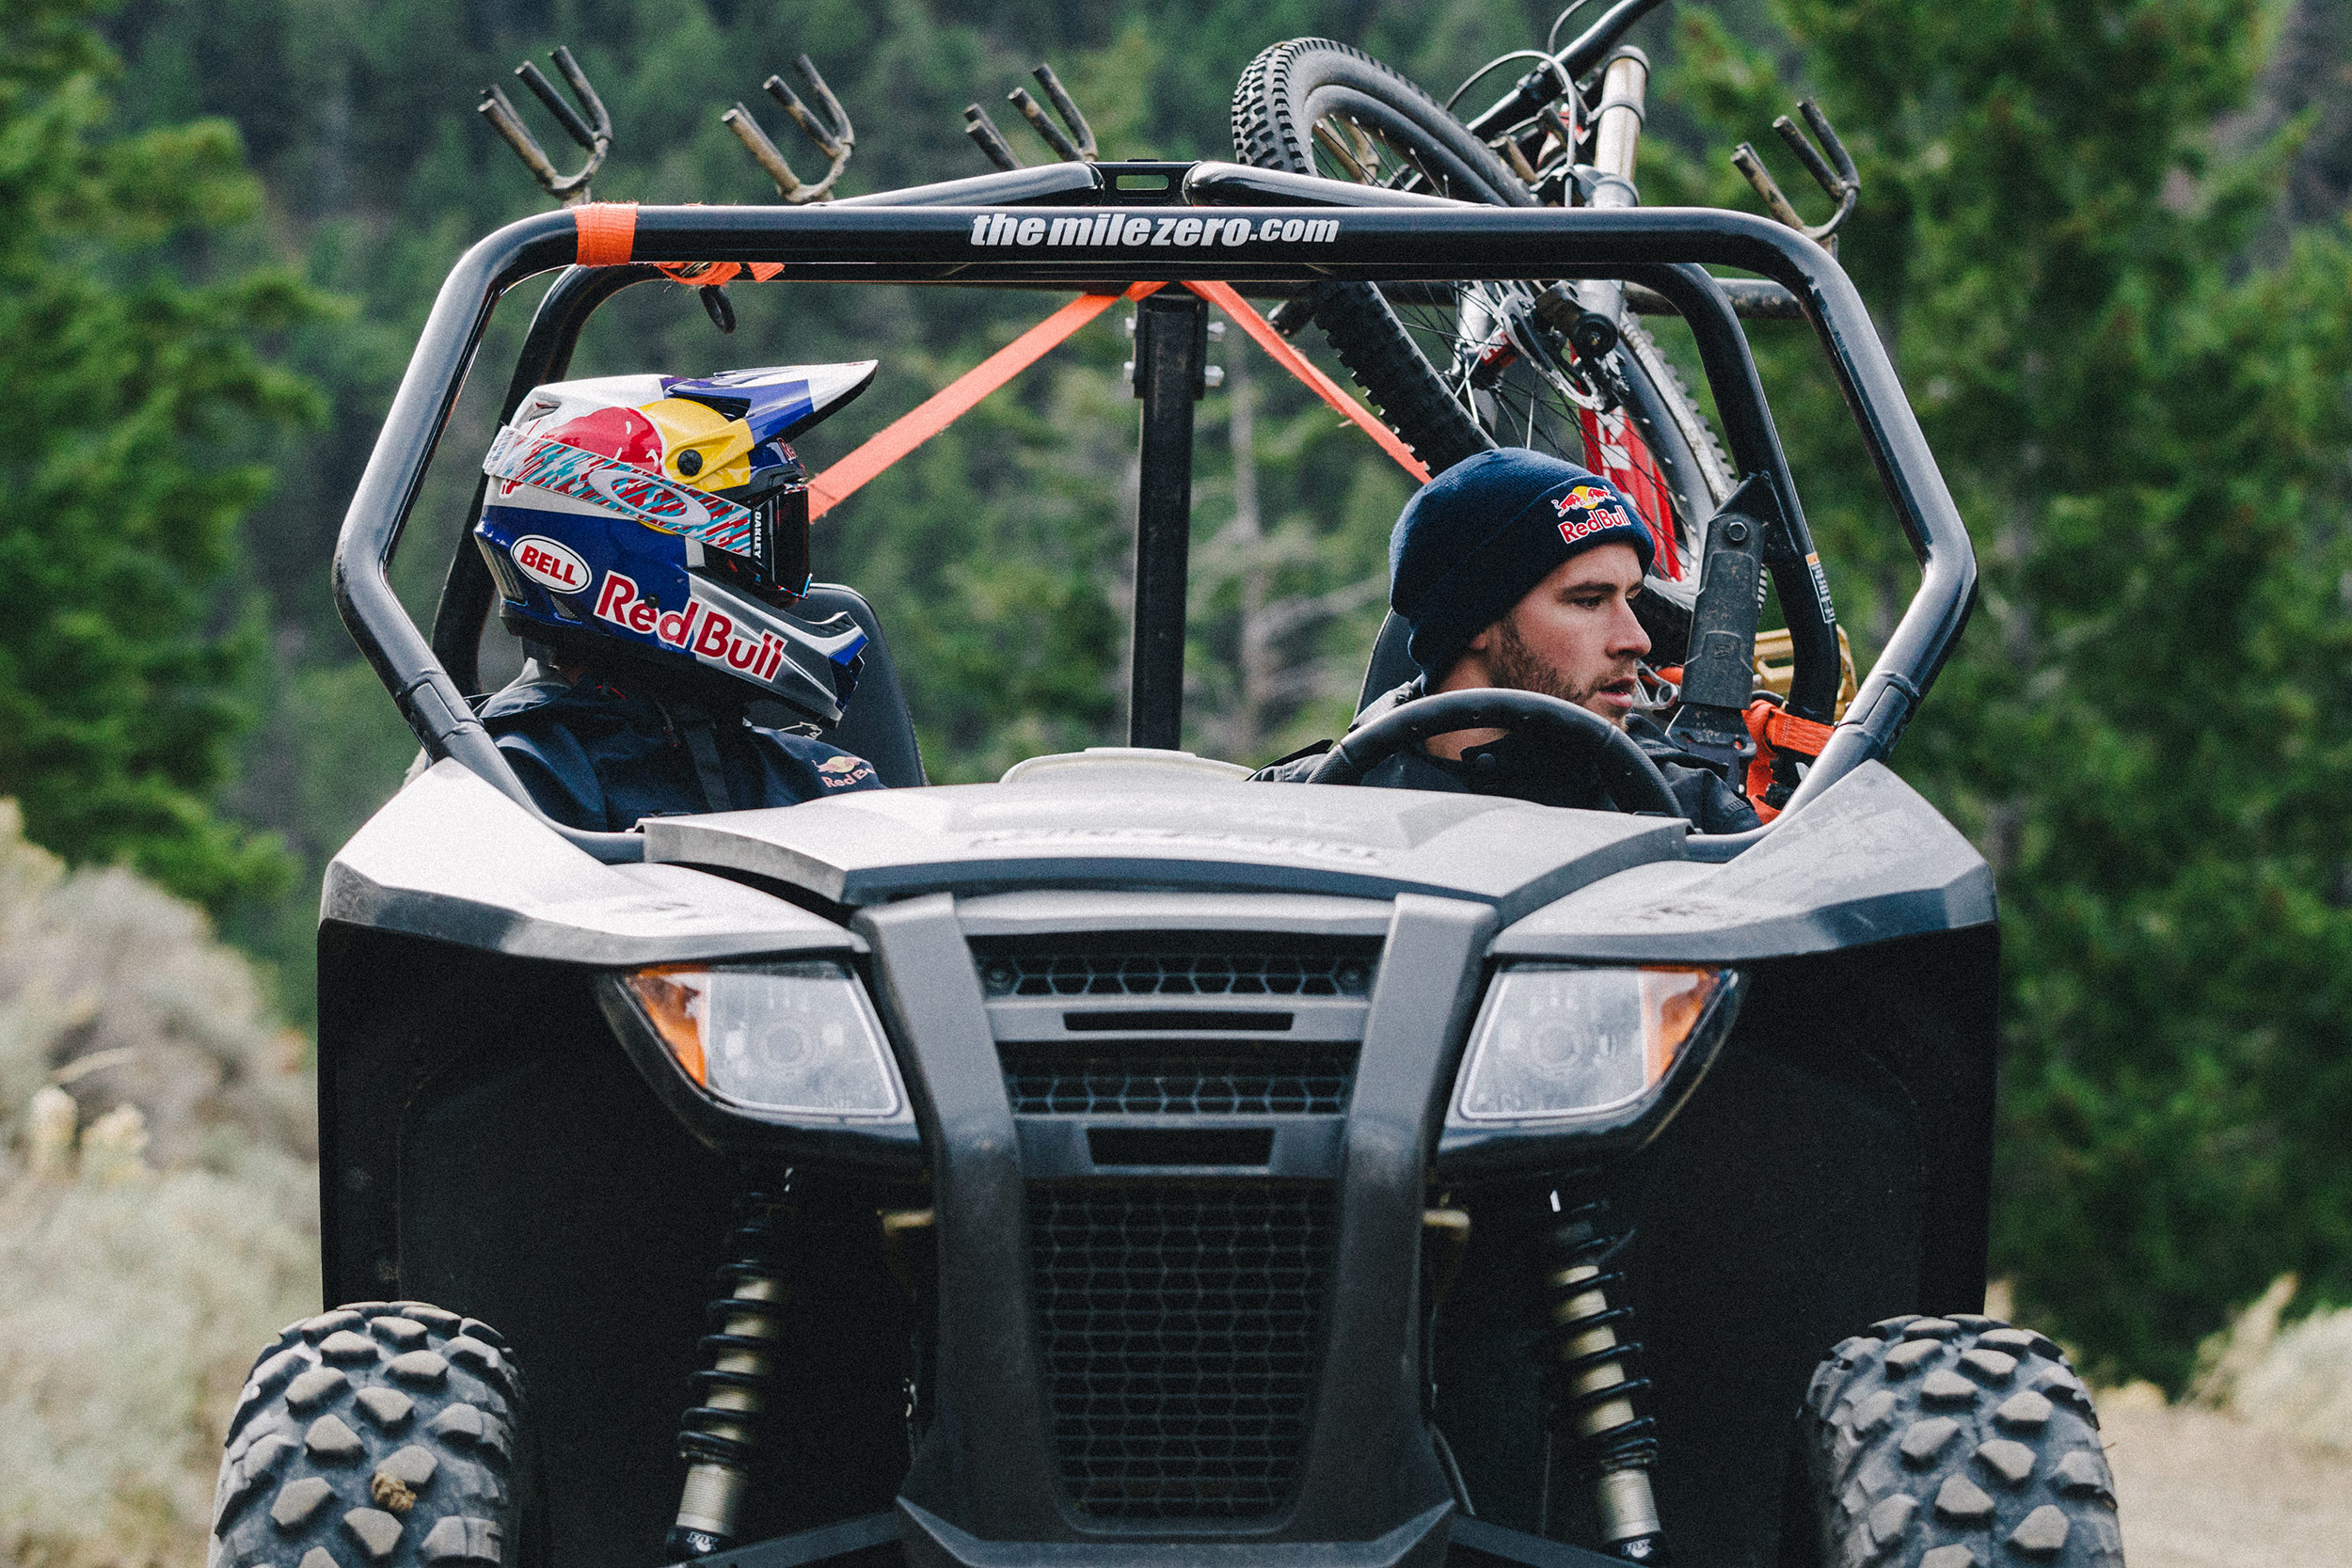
(1589, 1353)
(719, 1437)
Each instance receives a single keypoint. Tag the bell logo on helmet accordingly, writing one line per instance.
(550, 564)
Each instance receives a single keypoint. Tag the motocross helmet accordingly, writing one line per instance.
(663, 521)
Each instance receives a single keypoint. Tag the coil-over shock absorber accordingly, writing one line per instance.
(1589, 1351)
(719, 1436)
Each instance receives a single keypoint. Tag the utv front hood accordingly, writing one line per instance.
(1142, 824)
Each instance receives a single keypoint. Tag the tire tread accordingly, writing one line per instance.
(372, 1437)
(1948, 1441)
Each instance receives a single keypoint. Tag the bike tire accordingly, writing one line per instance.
(1286, 88)
(1279, 99)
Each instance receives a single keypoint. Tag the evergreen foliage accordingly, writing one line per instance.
(121, 683)
(2145, 730)
(2070, 236)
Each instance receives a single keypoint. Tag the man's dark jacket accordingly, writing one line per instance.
(603, 752)
(1526, 768)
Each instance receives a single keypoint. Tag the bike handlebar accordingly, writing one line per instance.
(1557, 76)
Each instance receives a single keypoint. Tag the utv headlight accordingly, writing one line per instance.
(1557, 1042)
(788, 1041)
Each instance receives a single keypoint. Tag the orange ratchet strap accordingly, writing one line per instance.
(1224, 298)
(703, 275)
(1777, 731)
(958, 398)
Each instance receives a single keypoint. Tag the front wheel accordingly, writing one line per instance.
(377, 1435)
(1956, 1442)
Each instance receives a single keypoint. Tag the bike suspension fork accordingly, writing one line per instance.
(1616, 133)
(1588, 1350)
(719, 1437)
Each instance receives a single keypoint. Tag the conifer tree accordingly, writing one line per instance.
(2149, 727)
(118, 679)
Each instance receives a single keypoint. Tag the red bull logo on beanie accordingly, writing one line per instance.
(1586, 510)
(1574, 529)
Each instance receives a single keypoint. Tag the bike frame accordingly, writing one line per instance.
(931, 235)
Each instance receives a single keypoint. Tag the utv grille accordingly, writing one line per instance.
(1289, 1080)
(1175, 973)
(1179, 1326)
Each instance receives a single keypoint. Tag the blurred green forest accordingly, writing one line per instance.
(2105, 240)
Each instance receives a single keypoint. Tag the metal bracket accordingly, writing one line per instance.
(1076, 147)
(1835, 174)
(827, 127)
(594, 133)
(1719, 674)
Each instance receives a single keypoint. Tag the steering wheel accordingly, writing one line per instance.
(1625, 769)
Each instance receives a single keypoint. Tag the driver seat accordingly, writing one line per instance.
(1390, 666)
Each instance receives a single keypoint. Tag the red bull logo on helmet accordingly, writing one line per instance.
(700, 629)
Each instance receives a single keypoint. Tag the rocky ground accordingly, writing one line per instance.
(2203, 1489)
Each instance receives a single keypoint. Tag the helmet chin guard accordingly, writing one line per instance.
(665, 520)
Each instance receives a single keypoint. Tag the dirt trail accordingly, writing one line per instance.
(2200, 1489)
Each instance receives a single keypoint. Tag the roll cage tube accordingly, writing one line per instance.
(908, 242)
(547, 354)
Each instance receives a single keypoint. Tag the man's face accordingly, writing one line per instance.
(1573, 637)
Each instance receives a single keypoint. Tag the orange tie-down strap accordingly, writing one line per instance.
(959, 396)
(1224, 298)
(608, 238)
(955, 399)
(608, 233)
(1783, 731)
(1777, 731)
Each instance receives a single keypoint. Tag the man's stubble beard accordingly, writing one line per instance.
(1516, 666)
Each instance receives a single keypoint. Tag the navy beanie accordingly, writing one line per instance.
(1472, 540)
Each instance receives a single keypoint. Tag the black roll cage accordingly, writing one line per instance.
(925, 235)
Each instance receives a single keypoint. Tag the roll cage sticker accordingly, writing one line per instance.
(549, 464)
(1123, 230)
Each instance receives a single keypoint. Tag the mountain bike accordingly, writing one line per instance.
(1563, 368)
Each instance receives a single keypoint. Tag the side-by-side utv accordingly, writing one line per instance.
(1128, 1163)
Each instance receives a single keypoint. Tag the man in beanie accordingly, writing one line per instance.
(1518, 570)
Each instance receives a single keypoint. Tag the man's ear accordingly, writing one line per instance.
(1483, 642)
